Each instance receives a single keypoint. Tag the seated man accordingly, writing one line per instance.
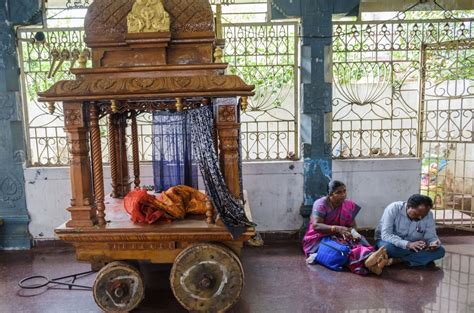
(407, 231)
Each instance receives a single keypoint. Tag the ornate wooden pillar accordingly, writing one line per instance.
(135, 152)
(228, 131)
(123, 186)
(112, 129)
(82, 208)
(97, 167)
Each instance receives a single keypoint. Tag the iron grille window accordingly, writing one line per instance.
(376, 69)
(264, 54)
(46, 137)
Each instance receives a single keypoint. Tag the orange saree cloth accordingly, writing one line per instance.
(174, 203)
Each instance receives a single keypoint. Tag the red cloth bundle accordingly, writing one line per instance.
(171, 204)
(139, 204)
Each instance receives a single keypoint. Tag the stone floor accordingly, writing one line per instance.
(277, 280)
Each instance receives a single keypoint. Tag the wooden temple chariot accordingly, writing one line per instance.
(148, 55)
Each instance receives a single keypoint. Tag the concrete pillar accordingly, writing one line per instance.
(316, 89)
(13, 212)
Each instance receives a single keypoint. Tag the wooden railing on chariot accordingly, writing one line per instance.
(168, 62)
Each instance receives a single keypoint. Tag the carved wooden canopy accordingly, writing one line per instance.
(107, 19)
(147, 61)
(147, 88)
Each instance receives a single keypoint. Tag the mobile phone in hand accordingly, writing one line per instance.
(433, 246)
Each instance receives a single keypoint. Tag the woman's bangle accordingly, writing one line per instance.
(333, 228)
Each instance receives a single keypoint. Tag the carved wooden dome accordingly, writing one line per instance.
(135, 57)
(106, 20)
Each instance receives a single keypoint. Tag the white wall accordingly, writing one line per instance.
(275, 191)
(374, 183)
(275, 194)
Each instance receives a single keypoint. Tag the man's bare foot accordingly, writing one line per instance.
(393, 261)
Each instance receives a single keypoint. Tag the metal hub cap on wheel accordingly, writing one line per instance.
(207, 277)
(118, 287)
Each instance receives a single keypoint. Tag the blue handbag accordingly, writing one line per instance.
(332, 254)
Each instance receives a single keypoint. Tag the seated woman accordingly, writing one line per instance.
(334, 216)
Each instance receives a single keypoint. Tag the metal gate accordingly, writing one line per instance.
(447, 130)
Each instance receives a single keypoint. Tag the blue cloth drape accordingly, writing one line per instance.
(175, 137)
(173, 161)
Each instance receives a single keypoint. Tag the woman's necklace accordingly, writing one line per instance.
(330, 204)
(333, 207)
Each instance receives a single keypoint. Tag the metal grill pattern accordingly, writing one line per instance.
(65, 13)
(47, 140)
(265, 54)
(447, 137)
(267, 59)
(376, 83)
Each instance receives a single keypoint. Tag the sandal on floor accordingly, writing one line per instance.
(374, 258)
(375, 269)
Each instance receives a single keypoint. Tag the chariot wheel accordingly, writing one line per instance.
(118, 287)
(207, 278)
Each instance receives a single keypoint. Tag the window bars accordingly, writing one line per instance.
(376, 70)
(264, 54)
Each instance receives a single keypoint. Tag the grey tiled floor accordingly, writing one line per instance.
(276, 280)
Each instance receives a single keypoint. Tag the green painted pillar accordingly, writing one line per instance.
(13, 212)
(316, 89)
